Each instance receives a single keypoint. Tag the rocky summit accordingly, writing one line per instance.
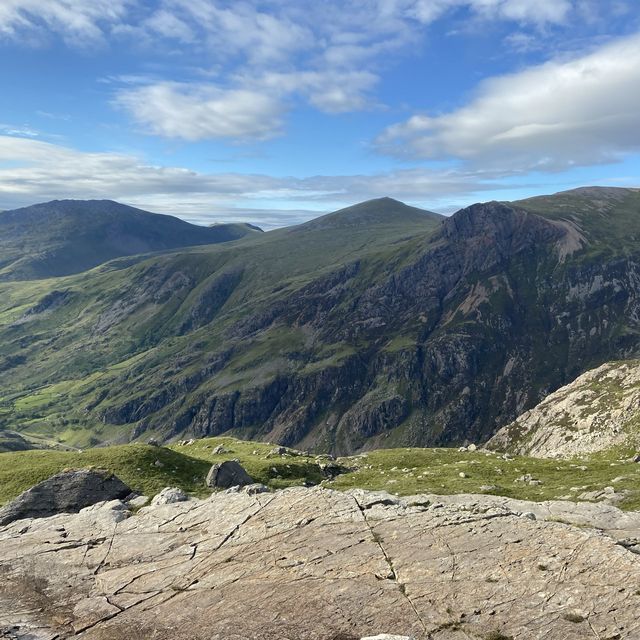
(317, 564)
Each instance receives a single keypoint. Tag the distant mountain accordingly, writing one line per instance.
(62, 237)
(375, 326)
(374, 213)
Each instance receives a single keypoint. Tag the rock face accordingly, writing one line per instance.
(66, 492)
(315, 564)
(225, 475)
(599, 410)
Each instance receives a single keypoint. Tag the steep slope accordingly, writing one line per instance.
(598, 411)
(69, 236)
(380, 334)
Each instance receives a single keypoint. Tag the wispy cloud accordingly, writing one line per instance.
(78, 22)
(34, 171)
(551, 117)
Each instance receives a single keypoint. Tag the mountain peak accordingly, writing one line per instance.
(376, 212)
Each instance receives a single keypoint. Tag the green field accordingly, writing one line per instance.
(398, 471)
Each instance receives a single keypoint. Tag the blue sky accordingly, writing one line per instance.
(272, 112)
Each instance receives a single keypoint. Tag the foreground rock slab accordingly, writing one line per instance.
(316, 564)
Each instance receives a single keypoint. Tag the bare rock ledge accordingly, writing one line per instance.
(316, 564)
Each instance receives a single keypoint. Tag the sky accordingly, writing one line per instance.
(274, 112)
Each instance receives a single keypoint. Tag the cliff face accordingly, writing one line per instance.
(342, 340)
(489, 316)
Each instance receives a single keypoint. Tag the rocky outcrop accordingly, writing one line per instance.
(66, 492)
(315, 564)
(596, 412)
(224, 475)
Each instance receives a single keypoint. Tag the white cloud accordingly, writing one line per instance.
(550, 117)
(35, 171)
(195, 112)
(79, 22)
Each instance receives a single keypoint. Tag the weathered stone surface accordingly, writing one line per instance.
(316, 564)
(595, 412)
(228, 474)
(169, 495)
(66, 492)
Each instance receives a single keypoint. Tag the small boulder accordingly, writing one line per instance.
(228, 474)
(169, 495)
(138, 501)
(254, 489)
(66, 492)
(219, 450)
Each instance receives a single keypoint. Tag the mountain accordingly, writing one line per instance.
(597, 412)
(69, 236)
(381, 212)
(372, 327)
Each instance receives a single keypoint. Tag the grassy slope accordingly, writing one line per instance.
(401, 471)
(608, 217)
(75, 361)
(69, 236)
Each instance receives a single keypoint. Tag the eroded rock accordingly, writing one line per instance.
(316, 564)
(66, 492)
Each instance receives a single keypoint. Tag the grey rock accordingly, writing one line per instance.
(169, 495)
(228, 474)
(219, 450)
(256, 488)
(256, 567)
(138, 501)
(66, 492)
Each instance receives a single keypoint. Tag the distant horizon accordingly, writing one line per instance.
(312, 214)
(220, 111)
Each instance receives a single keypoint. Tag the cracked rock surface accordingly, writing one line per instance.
(316, 564)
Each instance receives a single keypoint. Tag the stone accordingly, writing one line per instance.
(152, 442)
(386, 636)
(228, 474)
(66, 492)
(257, 567)
(278, 451)
(219, 450)
(255, 488)
(158, 464)
(472, 447)
(169, 495)
(138, 501)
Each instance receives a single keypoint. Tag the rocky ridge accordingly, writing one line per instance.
(598, 411)
(316, 564)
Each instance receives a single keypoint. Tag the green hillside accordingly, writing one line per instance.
(148, 469)
(376, 326)
(63, 237)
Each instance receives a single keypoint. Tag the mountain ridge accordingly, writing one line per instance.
(382, 336)
(62, 237)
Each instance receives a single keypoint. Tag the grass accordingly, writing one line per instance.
(398, 471)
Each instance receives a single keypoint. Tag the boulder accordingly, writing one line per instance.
(169, 495)
(228, 474)
(66, 492)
